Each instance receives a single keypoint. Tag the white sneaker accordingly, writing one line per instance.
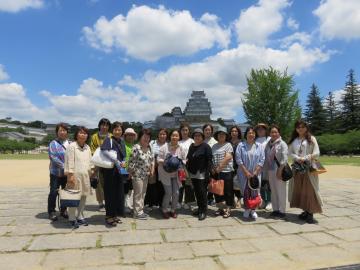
(268, 207)
(246, 213)
(186, 206)
(178, 206)
(253, 214)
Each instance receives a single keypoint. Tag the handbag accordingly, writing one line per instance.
(251, 202)
(286, 173)
(69, 197)
(102, 161)
(216, 186)
(182, 174)
(317, 168)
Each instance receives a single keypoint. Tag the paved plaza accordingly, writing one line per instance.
(28, 240)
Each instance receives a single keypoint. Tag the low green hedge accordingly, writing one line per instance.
(340, 144)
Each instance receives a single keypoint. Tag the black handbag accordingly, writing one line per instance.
(286, 173)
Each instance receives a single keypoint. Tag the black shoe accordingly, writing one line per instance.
(195, 213)
(303, 216)
(281, 215)
(274, 214)
(202, 216)
(82, 222)
(53, 216)
(74, 224)
(64, 214)
(310, 219)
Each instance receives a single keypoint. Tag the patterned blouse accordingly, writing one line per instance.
(140, 162)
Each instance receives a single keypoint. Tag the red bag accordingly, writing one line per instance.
(182, 175)
(216, 187)
(252, 203)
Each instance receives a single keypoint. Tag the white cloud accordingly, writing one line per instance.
(14, 103)
(258, 22)
(339, 19)
(292, 24)
(3, 75)
(14, 6)
(300, 37)
(222, 76)
(150, 34)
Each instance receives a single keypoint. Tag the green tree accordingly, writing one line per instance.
(331, 114)
(272, 99)
(351, 103)
(314, 113)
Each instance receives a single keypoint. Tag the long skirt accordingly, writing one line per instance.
(304, 196)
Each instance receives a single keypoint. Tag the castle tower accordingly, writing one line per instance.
(198, 108)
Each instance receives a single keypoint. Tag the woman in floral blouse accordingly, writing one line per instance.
(141, 167)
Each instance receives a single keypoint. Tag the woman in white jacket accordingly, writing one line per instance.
(276, 154)
(304, 187)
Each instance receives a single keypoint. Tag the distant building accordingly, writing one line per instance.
(197, 113)
(198, 108)
(17, 136)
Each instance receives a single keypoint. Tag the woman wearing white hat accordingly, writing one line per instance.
(130, 137)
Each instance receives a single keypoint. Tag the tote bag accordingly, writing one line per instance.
(69, 197)
(102, 161)
(216, 186)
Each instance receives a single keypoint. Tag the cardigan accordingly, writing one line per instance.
(199, 158)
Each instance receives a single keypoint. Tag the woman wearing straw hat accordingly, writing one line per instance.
(223, 167)
(250, 157)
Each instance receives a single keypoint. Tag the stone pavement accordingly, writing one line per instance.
(29, 241)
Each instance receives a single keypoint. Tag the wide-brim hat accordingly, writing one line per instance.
(130, 131)
(199, 131)
(261, 125)
(221, 129)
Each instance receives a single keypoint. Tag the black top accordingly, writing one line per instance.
(235, 165)
(199, 158)
(117, 144)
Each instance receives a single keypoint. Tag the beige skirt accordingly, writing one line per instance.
(304, 196)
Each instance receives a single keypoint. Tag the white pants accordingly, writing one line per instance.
(278, 192)
(139, 187)
(77, 212)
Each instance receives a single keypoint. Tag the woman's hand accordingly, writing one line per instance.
(71, 180)
(248, 174)
(279, 172)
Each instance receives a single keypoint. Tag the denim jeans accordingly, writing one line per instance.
(55, 183)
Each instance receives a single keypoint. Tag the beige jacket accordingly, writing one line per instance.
(78, 162)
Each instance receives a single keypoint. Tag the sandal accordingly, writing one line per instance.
(111, 221)
(219, 212)
(117, 220)
(226, 213)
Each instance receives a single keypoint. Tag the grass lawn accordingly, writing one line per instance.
(341, 160)
(24, 156)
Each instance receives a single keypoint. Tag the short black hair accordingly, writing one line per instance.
(61, 125)
(81, 128)
(247, 131)
(117, 124)
(174, 130)
(275, 126)
(104, 121)
(238, 130)
(144, 131)
(208, 125)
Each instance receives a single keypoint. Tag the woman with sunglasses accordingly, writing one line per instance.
(304, 187)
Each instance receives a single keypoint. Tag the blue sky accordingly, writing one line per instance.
(77, 61)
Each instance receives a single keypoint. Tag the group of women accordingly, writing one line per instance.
(175, 169)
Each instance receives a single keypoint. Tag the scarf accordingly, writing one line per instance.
(271, 155)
